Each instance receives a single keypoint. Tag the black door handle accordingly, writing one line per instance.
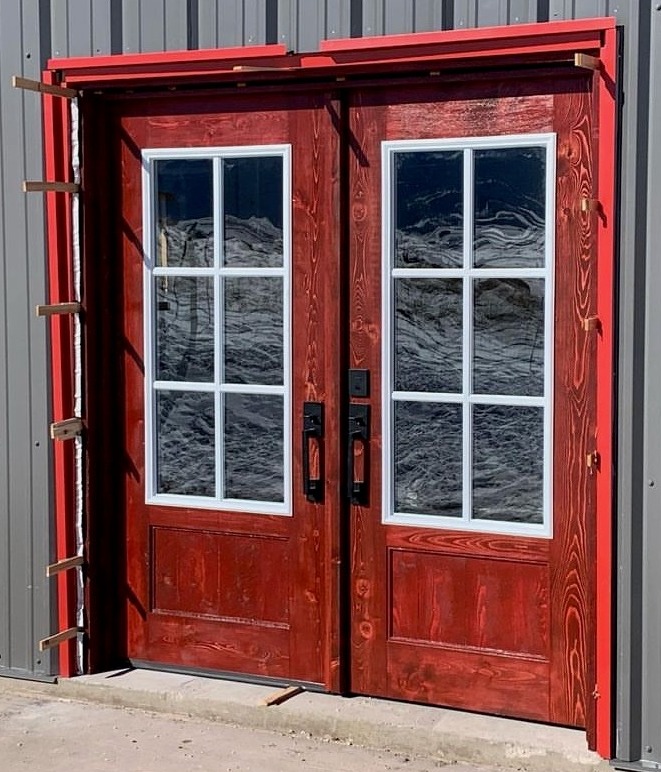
(313, 429)
(358, 431)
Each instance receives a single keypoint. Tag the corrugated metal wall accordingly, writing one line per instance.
(33, 30)
(25, 609)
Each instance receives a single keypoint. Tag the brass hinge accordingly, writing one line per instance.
(590, 205)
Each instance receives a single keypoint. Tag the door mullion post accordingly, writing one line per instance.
(219, 323)
(467, 360)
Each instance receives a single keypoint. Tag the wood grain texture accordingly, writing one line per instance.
(450, 595)
(256, 575)
(572, 559)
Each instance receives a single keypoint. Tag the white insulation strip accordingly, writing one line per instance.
(78, 376)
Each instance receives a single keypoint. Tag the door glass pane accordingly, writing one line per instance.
(253, 330)
(428, 335)
(252, 207)
(184, 213)
(508, 323)
(185, 443)
(510, 204)
(429, 209)
(508, 463)
(428, 465)
(254, 449)
(184, 324)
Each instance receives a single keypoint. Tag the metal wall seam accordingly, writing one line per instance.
(489, 13)
(651, 609)
(5, 512)
(577, 9)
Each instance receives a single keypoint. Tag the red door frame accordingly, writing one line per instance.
(337, 60)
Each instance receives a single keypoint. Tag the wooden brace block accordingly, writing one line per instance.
(590, 323)
(43, 88)
(593, 461)
(590, 205)
(58, 638)
(30, 186)
(52, 309)
(281, 696)
(587, 62)
(67, 429)
(64, 565)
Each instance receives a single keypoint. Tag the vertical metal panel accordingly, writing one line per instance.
(578, 9)
(151, 25)
(176, 25)
(254, 22)
(301, 24)
(488, 13)
(131, 26)
(102, 26)
(25, 608)
(220, 23)
(651, 610)
(429, 15)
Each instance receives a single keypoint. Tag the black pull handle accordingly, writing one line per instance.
(313, 429)
(358, 431)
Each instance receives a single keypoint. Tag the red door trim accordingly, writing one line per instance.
(479, 47)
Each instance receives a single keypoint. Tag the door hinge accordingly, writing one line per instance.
(592, 461)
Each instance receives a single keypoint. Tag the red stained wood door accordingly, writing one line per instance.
(432, 239)
(229, 264)
(472, 564)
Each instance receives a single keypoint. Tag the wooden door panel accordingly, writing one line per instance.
(484, 621)
(237, 591)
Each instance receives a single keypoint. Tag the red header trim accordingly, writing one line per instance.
(548, 41)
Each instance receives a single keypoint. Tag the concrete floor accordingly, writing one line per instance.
(166, 721)
(42, 734)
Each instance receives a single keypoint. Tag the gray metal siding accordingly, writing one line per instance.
(25, 608)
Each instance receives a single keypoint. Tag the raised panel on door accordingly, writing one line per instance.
(228, 264)
(472, 268)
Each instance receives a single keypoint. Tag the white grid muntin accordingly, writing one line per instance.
(218, 272)
(467, 273)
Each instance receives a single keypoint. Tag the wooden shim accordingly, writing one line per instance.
(43, 88)
(281, 696)
(52, 309)
(67, 429)
(587, 62)
(590, 205)
(64, 565)
(591, 323)
(34, 186)
(58, 638)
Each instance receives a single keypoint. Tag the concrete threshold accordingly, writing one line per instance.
(446, 735)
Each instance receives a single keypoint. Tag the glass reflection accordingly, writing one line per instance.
(428, 458)
(184, 232)
(253, 330)
(428, 335)
(510, 202)
(254, 447)
(429, 209)
(185, 443)
(252, 206)
(184, 324)
(508, 323)
(508, 463)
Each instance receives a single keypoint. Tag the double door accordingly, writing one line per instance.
(357, 390)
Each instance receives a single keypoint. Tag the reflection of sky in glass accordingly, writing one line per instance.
(510, 202)
(184, 205)
(252, 206)
(429, 209)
